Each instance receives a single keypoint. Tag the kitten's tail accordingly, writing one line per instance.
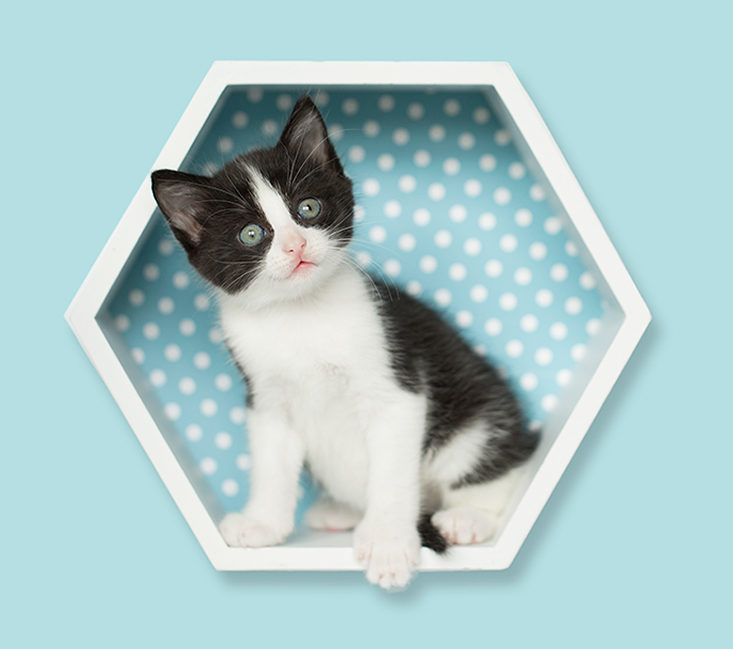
(430, 537)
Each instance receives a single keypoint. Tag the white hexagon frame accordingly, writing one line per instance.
(612, 351)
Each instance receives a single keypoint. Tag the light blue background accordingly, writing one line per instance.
(634, 547)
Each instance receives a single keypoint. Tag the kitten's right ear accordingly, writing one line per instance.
(182, 198)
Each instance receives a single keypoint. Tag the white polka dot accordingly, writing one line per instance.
(225, 145)
(563, 377)
(472, 188)
(223, 440)
(371, 128)
(210, 169)
(481, 115)
(284, 102)
(406, 242)
(558, 331)
(230, 487)
(517, 170)
(336, 132)
(415, 110)
(487, 221)
(172, 353)
(392, 209)
(269, 127)
(165, 247)
(436, 133)
(508, 243)
(400, 136)
(523, 218)
(421, 158)
(428, 264)
(240, 119)
(573, 305)
(480, 350)
(472, 246)
(208, 466)
(479, 293)
(136, 297)
(577, 352)
(543, 356)
(421, 216)
(158, 378)
(493, 268)
(457, 213)
(549, 402)
(322, 98)
(587, 281)
(508, 301)
(187, 385)
(493, 327)
(138, 355)
(442, 297)
(194, 432)
(553, 225)
(523, 276)
(414, 287)
(244, 462)
(559, 272)
(216, 335)
(466, 141)
(237, 415)
(457, 272)
(357, 153)
(350, 106)
(436, 191)
(385, 162)
(502, 196)
(451, 166)
(407, 183)
(593, 326)
(543, 298)
(201, 302)
(528, 381)
(487, 162)
(464, 319)
(443, 238)
(122, 322)
(571, 249)
(538, 251)
(208, 407)
(254, 94)
(181, 279)
(187, 327)
(514, 348)
(172, 411)
(151, 330)
(529, 323)
(202, 360)
(223, 382)
(359, 212)
(377, 234)
(370, 187)
(536, 193)
(502, 137)
(451, 107)
(392, 267)
(165, 305)
(385, 103)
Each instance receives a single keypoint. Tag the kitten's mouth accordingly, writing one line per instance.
(302, 268)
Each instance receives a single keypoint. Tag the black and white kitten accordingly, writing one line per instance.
(407, 430)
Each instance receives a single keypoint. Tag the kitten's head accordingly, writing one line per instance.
(273, 223)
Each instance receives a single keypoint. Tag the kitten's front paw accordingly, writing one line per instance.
(390, 554)
(242, 531)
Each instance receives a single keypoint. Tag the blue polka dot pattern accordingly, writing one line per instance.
(445, 208)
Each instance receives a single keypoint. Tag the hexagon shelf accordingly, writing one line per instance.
(463, 198)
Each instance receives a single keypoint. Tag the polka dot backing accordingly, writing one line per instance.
(446, 208)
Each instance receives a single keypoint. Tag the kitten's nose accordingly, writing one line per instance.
(293, 243)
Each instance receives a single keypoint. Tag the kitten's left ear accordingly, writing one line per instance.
(305, 136)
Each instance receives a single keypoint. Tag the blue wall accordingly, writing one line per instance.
(634, 545)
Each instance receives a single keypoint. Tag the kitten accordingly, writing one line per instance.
(411, 434)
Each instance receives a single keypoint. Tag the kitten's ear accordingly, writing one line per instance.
(182, 199)
(305, 136)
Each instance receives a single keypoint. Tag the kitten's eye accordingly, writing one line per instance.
(251, 234)
(309, 208)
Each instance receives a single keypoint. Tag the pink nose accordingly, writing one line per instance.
(293, 243)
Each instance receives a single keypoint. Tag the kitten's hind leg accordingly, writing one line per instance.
(332, 516)
(471, 514)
